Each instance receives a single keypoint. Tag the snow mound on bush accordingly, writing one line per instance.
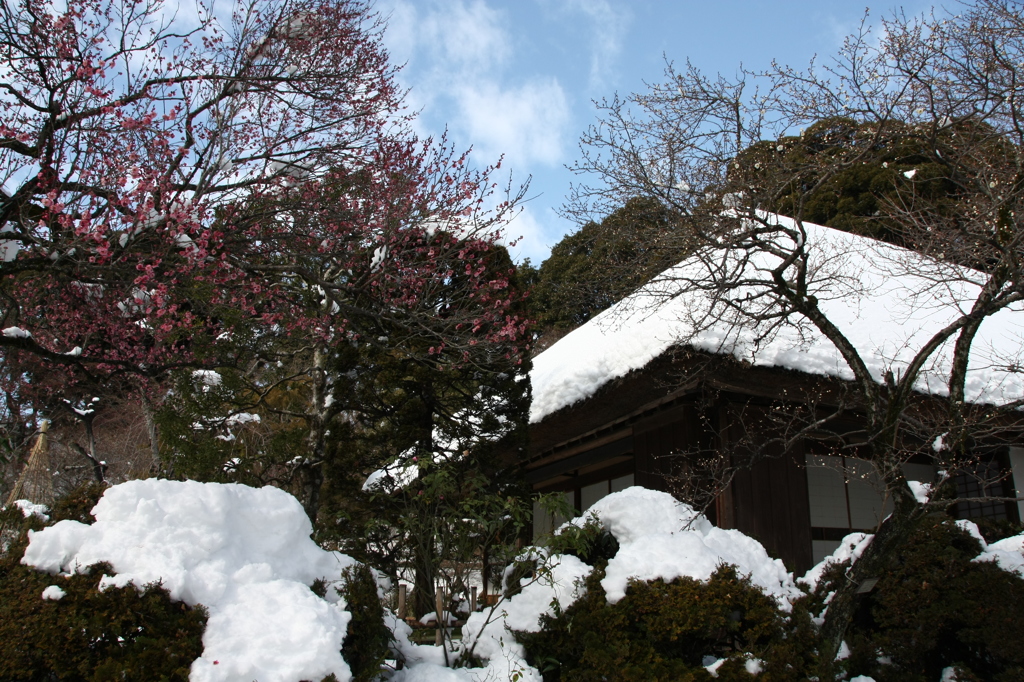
(558, 580)
(851, 547)
(243, 553)
(660, 537)
(1008, 553)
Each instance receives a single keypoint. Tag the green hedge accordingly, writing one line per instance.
(88, 635)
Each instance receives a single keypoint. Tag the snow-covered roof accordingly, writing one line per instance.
(887, 300)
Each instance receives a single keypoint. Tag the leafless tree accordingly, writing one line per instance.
(719, 152)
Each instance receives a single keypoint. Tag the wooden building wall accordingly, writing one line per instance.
(767, 502)
(639, 421)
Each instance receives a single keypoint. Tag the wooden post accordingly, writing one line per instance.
(483, 572)
(439, 610)
(472, 599)
(402, 587)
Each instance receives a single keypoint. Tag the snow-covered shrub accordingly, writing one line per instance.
(668, 631)
(244, 554)
(63, 627)
(939, 604)
(596, 600)
(590, 542)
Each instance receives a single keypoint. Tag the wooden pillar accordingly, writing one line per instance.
(439, 610)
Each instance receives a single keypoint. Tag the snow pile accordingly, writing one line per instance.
(559, 580)
(862, 285)
(1007, 553)
(53, 593)
(244, 553)
(29, 508)
(851, 547)
(660, 537)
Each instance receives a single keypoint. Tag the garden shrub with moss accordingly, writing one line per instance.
(666, 631)
(87, 635)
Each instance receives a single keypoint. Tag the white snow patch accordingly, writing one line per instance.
(559, 580)
(395, 476)
(17, 333)
(1007, 553)
(922, 491)
(972, 529)
(244, 553)
(53, 593)
(713, 667)
(660, 537)
(207, 377)
(242, 418)
(851, 547)
(29, 508)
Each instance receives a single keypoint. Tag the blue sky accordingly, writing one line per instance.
(518, 78)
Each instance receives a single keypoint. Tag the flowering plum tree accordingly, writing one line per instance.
(236, 192)
(169, 177)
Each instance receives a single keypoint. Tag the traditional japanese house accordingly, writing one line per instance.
(626, 398)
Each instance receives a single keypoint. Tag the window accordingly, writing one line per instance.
(581, 499)
(986, 478)
(845, 496)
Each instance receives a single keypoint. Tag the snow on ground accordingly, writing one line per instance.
(862, 286)
(244, 553)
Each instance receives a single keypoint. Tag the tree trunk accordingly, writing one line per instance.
(423, 594)
(894, 533)
(150, 416)
(310, 475)
(99, 467)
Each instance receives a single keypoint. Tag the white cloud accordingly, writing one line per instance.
(607, 28)
(447, 39)
(528, 123)
(535, 230)
(464, 76)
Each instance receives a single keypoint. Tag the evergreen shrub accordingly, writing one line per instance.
(668, 631)
(368, 640)
(934, 608)
(88, 635)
